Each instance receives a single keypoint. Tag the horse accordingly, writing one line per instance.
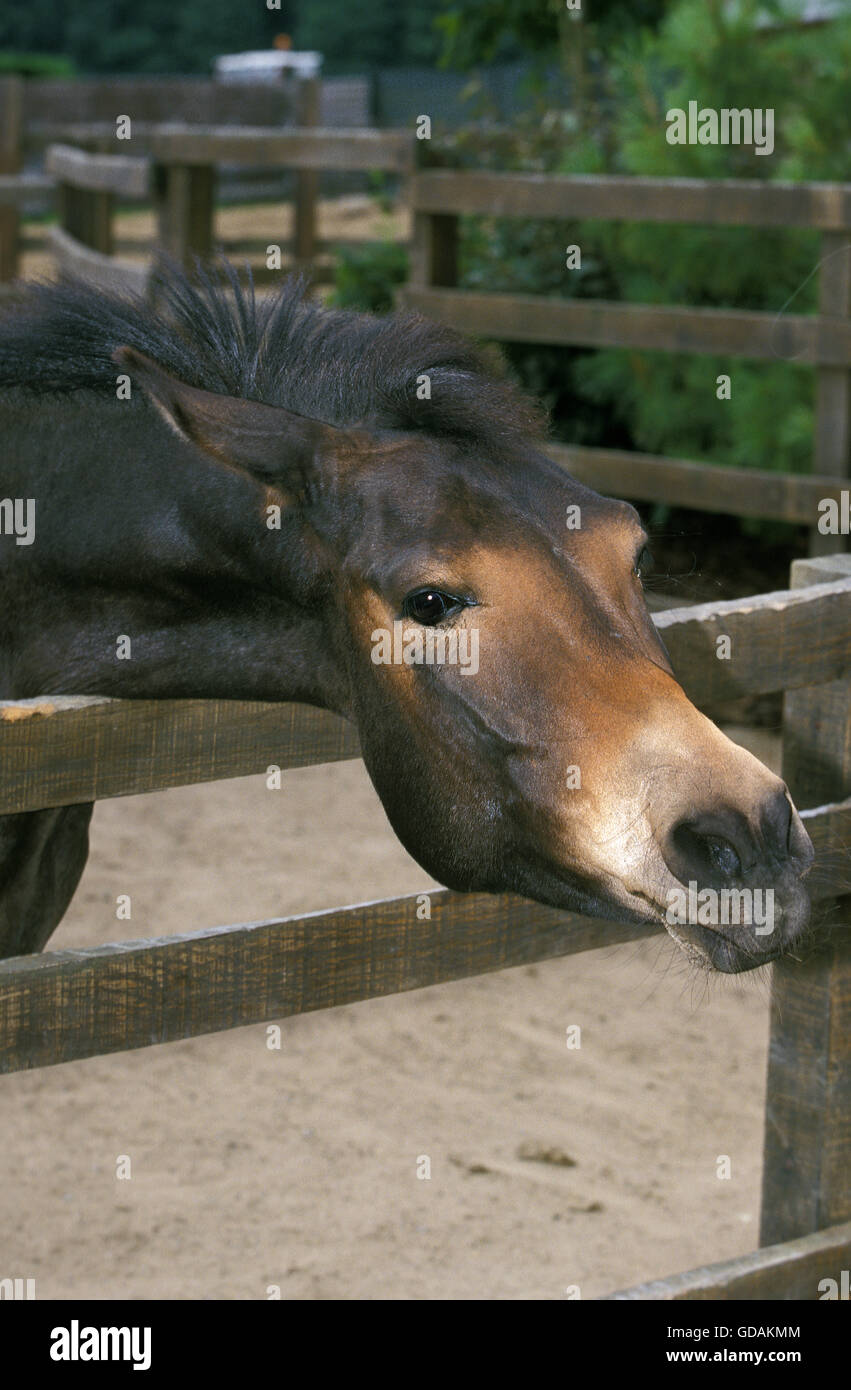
(263, 495)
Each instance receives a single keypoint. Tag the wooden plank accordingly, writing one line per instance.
(319, 148)
(57, 751)
(807, 1150)
(527, 318)
(64, 1005)
(778, 641)
(185, 196)
(127, 175)
(712, 202)
(792, 1270)
(11, 129)
(105, 272)
(60, 750)
(87, 217)
(829, 828)
(832, 453)
(306, 181)
(434, 251)
(709, 487)
(20, 188)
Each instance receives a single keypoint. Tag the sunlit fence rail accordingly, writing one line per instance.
(66, 1005)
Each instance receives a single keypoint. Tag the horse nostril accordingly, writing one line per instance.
(695, 853)
(723, 857)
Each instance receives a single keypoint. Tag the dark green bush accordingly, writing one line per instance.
(36, 65)
(366, 276)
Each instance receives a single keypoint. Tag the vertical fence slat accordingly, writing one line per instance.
(807, 1156)
(86, 214)
(832, 454)
(306, 182)
(185, 196)
(11, 102)
(433, 255)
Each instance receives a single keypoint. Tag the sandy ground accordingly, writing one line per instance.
(298, 1168)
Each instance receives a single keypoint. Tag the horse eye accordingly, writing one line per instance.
(644, 563)
(430, 606)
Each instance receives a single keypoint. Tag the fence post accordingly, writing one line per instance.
(806, 1183)
(434, 237)
(833, 384)
(86, 214)
(11, 103)
(306, 181)
(185, 198)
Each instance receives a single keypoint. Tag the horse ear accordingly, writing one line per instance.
(274, 444)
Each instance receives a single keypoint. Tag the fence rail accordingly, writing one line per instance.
(439, 197)
(59, 750)
(178, 172)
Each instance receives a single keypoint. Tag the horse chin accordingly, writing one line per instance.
(712, 950)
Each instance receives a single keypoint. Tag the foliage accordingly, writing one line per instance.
(36, 65)
(366, 276)
(382, 33)
(718, 55)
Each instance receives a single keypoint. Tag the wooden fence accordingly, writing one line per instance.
(439, 197)
(176, 164)
(64, 1005)
(179, 175)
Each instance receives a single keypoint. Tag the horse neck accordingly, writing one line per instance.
(138, 536)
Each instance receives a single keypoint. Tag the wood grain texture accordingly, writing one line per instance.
(832, 452)
(127, 175)
(778, 641)
(57, 751)
(700, 486)
(712, 202)
(807, 1147)
(598, 323)
(791, 1270)
(65, 1005)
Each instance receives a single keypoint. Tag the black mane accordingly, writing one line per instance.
(210, 331)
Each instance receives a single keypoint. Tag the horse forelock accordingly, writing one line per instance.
(399, 371)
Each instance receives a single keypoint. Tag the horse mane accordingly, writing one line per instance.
(208, 329)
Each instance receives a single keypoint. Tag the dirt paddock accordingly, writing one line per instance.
(297, 1167)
